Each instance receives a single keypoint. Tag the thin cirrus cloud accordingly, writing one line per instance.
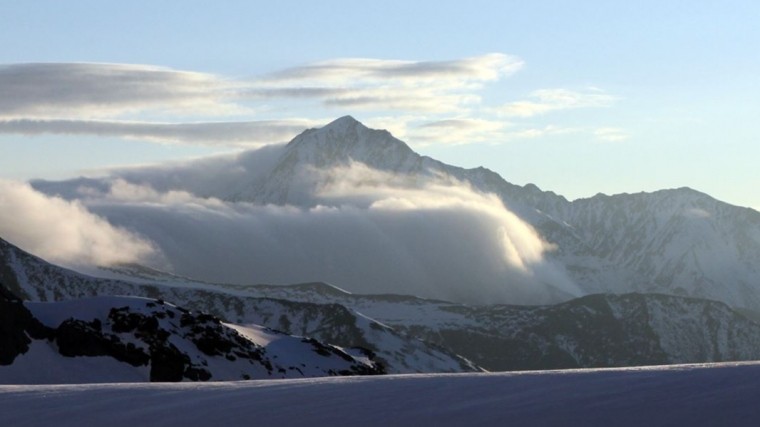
(547, 100)
(611, 134)
(460, 131)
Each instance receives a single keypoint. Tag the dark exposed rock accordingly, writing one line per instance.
(167, 364)
(17, 325)
(80, 338)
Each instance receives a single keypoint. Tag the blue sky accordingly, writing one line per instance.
(576, 97)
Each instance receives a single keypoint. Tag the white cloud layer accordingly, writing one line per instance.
(64, 231)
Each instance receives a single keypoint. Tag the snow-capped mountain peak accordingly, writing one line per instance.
(347, 139)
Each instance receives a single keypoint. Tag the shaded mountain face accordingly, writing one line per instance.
(153, 340)
(351, 206)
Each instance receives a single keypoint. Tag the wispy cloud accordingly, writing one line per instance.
(611, 134)
(547, 100)
(375, 84)
(460, 131)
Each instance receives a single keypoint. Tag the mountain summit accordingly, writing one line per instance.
(347, 139)
(343, 141)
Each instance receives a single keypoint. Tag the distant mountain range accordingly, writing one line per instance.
(677, 242)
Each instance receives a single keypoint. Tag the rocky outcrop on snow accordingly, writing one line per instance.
(162, 341)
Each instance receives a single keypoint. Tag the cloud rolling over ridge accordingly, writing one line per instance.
(65, 231)
(367, 231)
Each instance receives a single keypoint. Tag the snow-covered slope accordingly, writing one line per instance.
(680, 242)
(124, 339)
(36, 280)
(697, 396)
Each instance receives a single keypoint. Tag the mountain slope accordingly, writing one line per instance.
(122, 339)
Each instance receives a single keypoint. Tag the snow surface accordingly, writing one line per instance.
(688, 395)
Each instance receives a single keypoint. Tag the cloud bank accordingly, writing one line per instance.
(65, 231)
(368, 231)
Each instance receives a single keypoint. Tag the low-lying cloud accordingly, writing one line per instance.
(64, 231)
(364, 230)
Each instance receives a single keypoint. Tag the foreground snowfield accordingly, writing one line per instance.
(693, 395)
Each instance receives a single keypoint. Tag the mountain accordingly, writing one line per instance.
(125, 339)
(333, 179)
(36, 280)
(409, 334)
(337, 144)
